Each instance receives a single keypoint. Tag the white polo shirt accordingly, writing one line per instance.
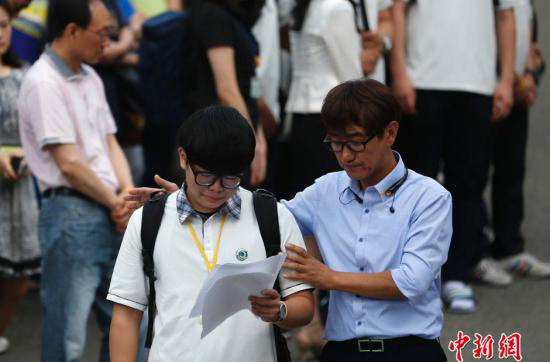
(181, 272)
(451, 44)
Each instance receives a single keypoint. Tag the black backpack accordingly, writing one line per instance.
(265, 208)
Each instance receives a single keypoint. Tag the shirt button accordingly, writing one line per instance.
(367, 211)
(360, 240)
(359, 323)
(361, 268)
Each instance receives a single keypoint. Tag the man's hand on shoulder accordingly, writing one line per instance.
(136, 197)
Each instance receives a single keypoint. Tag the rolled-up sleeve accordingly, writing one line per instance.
(129, 283)
(426, 247)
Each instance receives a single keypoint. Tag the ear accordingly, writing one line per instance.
(72, 29)
(391, 132)
(183, 158)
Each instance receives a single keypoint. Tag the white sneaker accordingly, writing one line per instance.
(4, 345)
(489, 271)
(458, 297)
(525, 264)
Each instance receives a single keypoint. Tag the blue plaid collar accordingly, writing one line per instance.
(232, 207)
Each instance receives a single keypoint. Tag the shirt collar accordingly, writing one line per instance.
(62, 67)
(232, 207)
(395, 175)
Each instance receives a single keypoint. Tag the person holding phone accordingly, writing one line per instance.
(19, 247)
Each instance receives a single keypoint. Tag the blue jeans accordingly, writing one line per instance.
(79, 249)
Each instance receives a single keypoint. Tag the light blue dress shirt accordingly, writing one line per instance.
(412, 243)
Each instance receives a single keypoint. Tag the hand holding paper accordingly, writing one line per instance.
(227, 289)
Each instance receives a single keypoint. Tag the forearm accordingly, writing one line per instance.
(174, 5)
(115, 51)
(506, 36)
(385, 23)
(398, 56)
(120, 164)
(372, 285)
(300, 309)
(231, 97)
(222, 62)
(124, 334)
(84, 180)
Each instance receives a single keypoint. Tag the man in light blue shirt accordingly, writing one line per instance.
(383, 232)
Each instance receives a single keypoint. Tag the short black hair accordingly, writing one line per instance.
(63, 12)
(218, 139)
(9, 57)
(363, 102)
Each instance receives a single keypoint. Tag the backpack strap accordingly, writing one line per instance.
(360, 13)
(153, 211)
(265, 208)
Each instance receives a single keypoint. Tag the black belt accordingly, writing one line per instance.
(381, 345)
(65, 191)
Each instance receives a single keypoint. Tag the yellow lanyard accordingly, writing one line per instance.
(209, 265)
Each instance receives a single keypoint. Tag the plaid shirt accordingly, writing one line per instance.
(232, 207)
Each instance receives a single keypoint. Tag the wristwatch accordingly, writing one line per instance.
(282, 311)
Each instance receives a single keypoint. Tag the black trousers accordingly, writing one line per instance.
(450, 132)
(309, 157)
(429, 351)
(509, 143)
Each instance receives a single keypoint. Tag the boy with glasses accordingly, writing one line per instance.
(209, 221)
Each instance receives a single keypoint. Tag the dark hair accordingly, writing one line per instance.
(253, 11)
(299, 12)
(218, 139)
(363, 102)
(9, 58)
(63, 12)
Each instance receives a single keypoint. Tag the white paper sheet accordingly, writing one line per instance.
(226, 290)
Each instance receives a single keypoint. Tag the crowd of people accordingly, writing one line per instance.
(103, 101)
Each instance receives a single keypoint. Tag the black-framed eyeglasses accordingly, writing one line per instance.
(353, 146)
(205, 178)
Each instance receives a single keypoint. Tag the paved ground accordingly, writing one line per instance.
(523, 308)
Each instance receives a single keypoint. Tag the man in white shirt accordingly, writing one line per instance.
(209, 221)
(507, 255)
(444, 75)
